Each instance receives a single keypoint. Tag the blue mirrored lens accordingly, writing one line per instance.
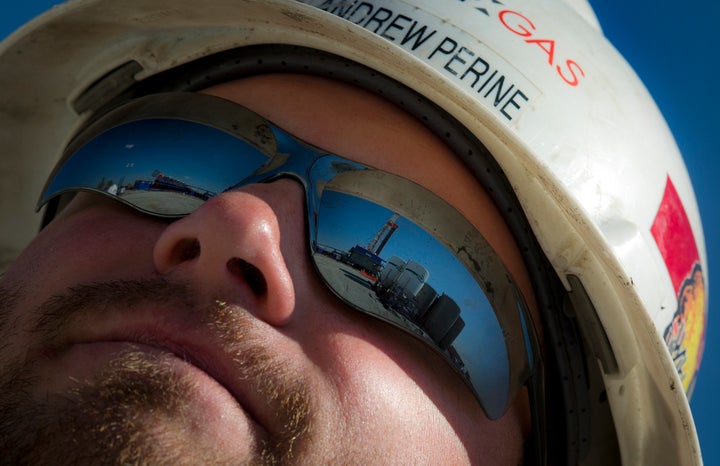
(385, 264)
(161, 166)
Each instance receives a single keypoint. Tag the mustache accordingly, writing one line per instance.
(8, 300)
(96, 299)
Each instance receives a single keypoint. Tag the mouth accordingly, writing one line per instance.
(212, 376)
(153, 399)
(237, 393)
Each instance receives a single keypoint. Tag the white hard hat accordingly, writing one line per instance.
(576, 144)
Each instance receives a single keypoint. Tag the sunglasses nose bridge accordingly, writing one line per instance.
(293, 168)
(303, 165)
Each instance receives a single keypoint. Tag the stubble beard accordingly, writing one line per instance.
(137, 410)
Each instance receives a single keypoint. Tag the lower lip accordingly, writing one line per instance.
(212, 411)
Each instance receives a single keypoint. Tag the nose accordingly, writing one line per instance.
(230, 249)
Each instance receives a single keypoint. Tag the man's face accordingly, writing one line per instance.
(212, 340)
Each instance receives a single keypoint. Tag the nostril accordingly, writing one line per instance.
(252, 275)
(186, 249)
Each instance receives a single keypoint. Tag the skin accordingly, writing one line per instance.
(136, 339)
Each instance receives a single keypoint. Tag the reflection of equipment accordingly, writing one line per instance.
(443, 322)
(426, 296)
(399, 286)
(365, 261)
(412, 278)
(402, 287)
(383, 235)
(400, 293)
(390, 272)
(163, 182)
(368, 259)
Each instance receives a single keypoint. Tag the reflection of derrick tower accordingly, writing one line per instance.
(383, 235)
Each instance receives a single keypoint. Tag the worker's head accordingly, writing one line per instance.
(348, 232)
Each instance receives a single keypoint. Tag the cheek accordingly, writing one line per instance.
(95, 244)
(387, 378)
(398, 397)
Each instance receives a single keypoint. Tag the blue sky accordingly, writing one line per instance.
(671, 46)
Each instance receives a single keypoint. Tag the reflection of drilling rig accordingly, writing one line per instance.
(368, 259)
(402, 288)
(383, 235)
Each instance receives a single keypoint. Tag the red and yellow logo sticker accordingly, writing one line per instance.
(685, 336)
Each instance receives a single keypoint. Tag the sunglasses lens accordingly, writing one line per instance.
(161, 166)
(396, 264)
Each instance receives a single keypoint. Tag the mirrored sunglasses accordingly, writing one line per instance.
(385, 245)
